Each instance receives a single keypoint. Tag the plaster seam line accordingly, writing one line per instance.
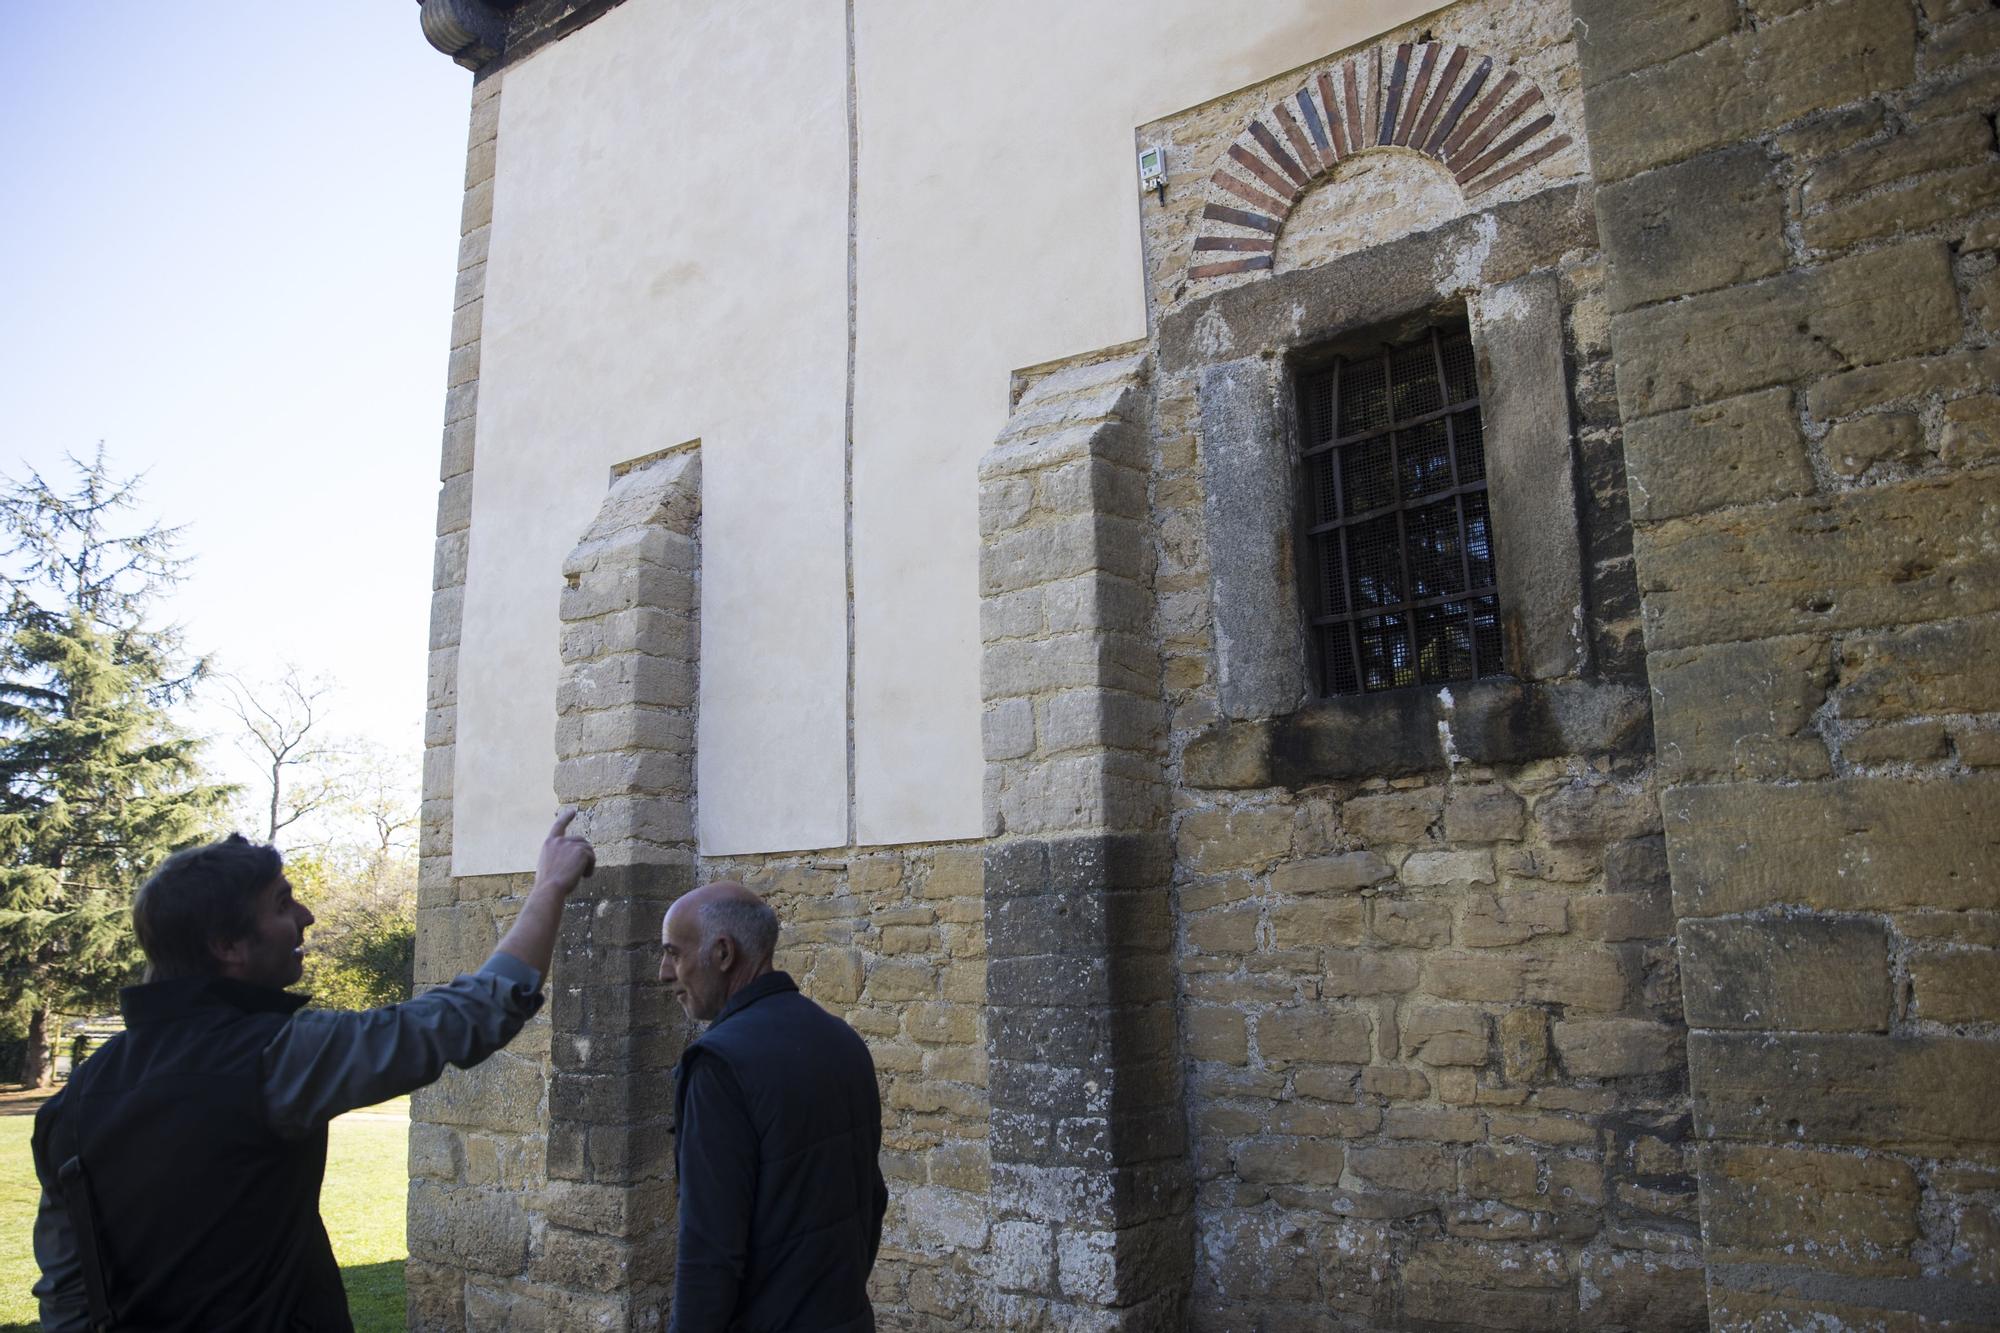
(847, 464)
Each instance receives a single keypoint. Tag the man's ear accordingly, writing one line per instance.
(230, 955)
(726, 954)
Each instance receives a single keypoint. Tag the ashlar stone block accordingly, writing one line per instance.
(1935, 668)
(1927, 1095)
(481, 1231)
(1852, 844)
(1962, 986)
(1517, 337)
(1615, 37)
(1737, 451)
(1489, 813)
(1742, 709)
(1409, 924)
(1754, 80)
(1948, 143)
(1712, 221)
(1887, 555)
(1849, 1213)
(1496, 920)
(1895, 302)
(1319, 922)
(1393, 817)
(1597, 812)
(1331, 874)
(1898, 381)
(1587, 982)
(1417, 1168)
(1908, 208)
(1519, 1286)
(1430, 869)
(1286, 1161)
(1894, 743)
(1217, 1033)
(1216, 840)
(1247, 481)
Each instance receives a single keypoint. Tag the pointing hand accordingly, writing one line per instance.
(564, 860)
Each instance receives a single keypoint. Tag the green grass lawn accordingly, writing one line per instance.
(366, 1176)
(18, 1196)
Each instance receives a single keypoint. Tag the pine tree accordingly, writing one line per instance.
(97, 784)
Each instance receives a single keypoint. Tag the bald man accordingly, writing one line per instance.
(779, 1127)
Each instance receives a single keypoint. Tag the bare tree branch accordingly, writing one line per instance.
(283, 733)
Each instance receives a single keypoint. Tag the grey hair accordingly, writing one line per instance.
(748, 921)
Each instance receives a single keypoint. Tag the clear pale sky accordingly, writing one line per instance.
(228, 235)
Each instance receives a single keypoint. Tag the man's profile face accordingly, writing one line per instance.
(688, 970)
(273, 953)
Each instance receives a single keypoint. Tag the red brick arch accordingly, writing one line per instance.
(1447, 102)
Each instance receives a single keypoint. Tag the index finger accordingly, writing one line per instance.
(557, 829)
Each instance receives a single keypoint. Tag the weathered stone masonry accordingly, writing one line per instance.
(1655, 985)
(1430, 1001)
(1815, 549)
(1090, 1187)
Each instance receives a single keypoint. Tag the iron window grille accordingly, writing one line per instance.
(1398, 538)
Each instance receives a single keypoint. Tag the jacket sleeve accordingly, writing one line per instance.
(64, 1306)
(718, 1167)
(881, 1209)
(64, 1301)
(325, 1062)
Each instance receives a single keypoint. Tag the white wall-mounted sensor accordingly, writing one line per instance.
(1153, 171)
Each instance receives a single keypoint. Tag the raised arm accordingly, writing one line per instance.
(563, 863)
(325, 1062)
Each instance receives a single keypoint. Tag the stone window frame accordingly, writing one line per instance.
(1247, 409)
(1313, 365)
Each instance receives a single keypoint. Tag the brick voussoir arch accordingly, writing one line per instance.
(1449, 103)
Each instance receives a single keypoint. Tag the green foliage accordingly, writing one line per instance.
(361, 949)
(97, 785)
(369, 963)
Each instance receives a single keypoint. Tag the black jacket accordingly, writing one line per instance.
(780, 1135)
(207, 1219)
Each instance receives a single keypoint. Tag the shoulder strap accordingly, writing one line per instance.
(83, 1222)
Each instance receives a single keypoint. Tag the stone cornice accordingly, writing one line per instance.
(471, 32)
(484, 35)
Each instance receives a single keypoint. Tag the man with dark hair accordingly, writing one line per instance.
(181, 1166)
(199, 895)
(779, 1134)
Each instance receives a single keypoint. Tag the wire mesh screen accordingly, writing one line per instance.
(1399, 537)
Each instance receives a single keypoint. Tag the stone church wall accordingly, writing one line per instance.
(1652, 987)
(1431, 1004)
(893, 940)
(1798, 203)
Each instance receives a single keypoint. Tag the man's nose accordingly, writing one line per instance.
(306, 918)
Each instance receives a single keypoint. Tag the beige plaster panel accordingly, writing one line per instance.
(998, 228)
(668, 262)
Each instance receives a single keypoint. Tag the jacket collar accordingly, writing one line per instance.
(164, 1001)
(771, 983)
